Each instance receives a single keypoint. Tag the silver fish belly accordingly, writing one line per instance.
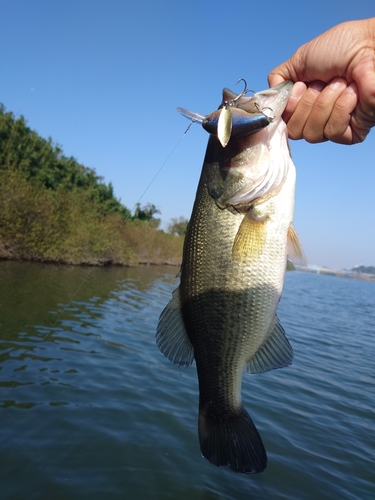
(223, 314)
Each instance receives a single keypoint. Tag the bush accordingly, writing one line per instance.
(54, 209)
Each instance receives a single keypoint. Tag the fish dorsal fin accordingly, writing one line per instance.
(295, 250)
(251, 236)
(171, 336)
(275, 352)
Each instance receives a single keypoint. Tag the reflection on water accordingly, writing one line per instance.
(90, 409)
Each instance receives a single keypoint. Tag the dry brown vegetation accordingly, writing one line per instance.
(54, 209)
(66, 227)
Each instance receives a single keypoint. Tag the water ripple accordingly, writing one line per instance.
(91, 409)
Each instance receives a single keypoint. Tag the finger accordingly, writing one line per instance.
(298, 119)
(315, 127)
(285, 71)
(299, 88)
(364, 76)
(274, 79)
(363, 117)
(338, 128)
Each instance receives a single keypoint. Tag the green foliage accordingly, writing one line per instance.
(42, 162)
(146, 214)
(178, 226)
(63, 225)
(54, 209)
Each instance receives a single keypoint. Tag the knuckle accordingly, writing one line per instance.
(313, 133)
(294, 133)
(312, 139)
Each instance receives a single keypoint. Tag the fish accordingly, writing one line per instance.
(223, 313)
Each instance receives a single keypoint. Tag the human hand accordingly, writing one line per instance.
(334, 94)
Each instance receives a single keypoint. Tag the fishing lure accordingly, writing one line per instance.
(229, 121)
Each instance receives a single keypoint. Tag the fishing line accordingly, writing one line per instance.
(158, 172)
(127, 218)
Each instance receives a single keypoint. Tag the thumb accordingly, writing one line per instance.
(281, 73)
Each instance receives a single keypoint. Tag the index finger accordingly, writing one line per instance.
(274, 79)
(299, 88)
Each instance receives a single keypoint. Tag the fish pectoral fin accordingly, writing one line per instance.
(251, 236)
(295, 251)
(171, 336)
(275, 352)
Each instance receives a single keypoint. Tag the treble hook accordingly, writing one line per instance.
(225, 104)
(261, 110)
(245, 90)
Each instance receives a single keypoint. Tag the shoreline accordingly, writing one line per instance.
(9, 253)
(339, 274)
(165, 262)
(92, 263)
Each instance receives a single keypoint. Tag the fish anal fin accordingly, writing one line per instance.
(171, 336)
(275, 352)
(251, 236)
(295, 251)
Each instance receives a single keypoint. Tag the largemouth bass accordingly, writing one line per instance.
(223, 314)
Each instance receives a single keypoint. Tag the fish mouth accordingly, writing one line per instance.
(241, 116)
(271, 102)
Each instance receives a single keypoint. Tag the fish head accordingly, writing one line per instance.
(240, 116)
(269, 102)
(254, 165)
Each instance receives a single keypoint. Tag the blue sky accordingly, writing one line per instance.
(103, 79)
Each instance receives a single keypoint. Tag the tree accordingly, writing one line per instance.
(42, 162)
(178, 226)
(147, 213)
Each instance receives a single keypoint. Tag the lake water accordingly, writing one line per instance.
(90, 409)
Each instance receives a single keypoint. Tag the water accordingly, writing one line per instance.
(89, 408)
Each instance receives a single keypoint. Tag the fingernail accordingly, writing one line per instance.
(337, 84)
(352, 88)
(298, 89)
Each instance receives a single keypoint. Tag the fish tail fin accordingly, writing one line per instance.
(232, 441)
